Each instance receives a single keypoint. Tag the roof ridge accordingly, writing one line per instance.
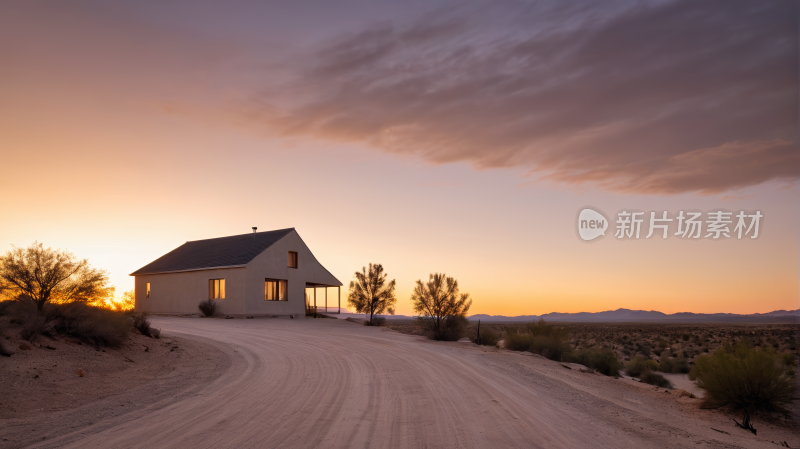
(238, 235)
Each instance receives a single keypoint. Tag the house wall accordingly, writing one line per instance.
(182, 292)
(273, 264)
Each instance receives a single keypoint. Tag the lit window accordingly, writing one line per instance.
(275, 290)
(292, 259)
(148, 290)
(216, 289)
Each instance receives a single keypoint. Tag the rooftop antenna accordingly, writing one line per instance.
(254, 229)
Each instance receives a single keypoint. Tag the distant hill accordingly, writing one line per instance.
(650, 316)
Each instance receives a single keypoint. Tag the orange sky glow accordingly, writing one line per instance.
(126, 133)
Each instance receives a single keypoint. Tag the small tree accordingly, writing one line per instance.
(43, 274)
(370, 293)
(439, 303)
(746, 379)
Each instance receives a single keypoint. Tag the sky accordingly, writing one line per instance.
(457, 137)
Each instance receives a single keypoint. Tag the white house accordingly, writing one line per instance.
(261, 273)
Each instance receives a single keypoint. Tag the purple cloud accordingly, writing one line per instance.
(670, 98)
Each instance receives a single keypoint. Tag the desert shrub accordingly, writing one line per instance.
(603, 360)
(639, 365)
(33, 323)
(550, 346)
(685, 337)
(142, 324)
(788, 359)
(656, 379)
(376, 321)
(517, 342)
(92, 325)
(454, 328)
(488, 337)
(746, 379)
(673, 365)
(540, 338)
(208, 307)
(32, 326)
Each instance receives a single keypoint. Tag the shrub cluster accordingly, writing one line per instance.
(644, 369)
(453, 328)
(92, 325)
(674, 365)
(540, 338)
(89, 324)
(142, 324)
(640, 365)
(488, 337)
(656, 379)
(745, 378)
(602, 360)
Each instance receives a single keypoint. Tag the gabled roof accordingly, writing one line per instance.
(222, 252)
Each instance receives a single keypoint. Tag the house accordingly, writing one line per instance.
(261, 273)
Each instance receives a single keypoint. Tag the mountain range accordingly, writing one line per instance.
(651, 316)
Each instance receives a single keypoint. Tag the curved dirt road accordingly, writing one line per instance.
(332, 383)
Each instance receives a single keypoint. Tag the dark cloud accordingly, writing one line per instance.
(669, 98)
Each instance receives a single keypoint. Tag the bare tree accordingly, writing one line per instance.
(438, 301)
(370, 293)
(42, 275)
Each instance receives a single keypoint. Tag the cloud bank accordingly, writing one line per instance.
(666, 98)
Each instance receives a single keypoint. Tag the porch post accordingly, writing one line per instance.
(339, 288)
(326, 299)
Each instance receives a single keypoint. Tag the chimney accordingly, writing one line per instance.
(254, 229)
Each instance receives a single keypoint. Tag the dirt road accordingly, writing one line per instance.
(335, 384)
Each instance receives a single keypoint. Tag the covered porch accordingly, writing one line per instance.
(317, 298)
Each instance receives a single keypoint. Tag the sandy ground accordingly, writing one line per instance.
(682, 381)
(332, 383)
(42, 396)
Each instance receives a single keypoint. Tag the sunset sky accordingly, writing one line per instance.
(456, 137)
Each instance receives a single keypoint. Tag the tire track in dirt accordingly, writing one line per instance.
(331, 383)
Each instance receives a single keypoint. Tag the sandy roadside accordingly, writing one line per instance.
(42, 395)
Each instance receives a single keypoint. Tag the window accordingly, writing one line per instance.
(216, 289)
(148, 290)
(292, 259)
(275, 290)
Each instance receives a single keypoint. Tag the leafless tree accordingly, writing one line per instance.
(438, 301)
(42, 275)
(370, 293)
